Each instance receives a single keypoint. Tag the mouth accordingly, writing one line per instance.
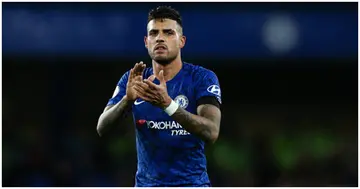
(160, 48)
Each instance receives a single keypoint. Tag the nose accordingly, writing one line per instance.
(160, 38)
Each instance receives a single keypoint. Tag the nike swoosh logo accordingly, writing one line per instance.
(137, 103)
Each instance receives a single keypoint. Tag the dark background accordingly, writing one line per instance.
(289, 115)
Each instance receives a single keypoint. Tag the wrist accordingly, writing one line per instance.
(167, 103)
(171, 108)
(126, 98)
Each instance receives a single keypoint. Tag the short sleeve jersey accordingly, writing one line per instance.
(167, 154)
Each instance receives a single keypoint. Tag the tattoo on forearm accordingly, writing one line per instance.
(124, 109)
(120, 110)
(194, 124)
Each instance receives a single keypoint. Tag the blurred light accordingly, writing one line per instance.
(280, 34)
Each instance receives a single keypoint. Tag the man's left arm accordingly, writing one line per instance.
(205, 125)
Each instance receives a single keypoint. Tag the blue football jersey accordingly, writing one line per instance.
(167, 154)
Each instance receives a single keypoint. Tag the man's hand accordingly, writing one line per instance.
(155, 94)
(136, 74)
(205, 124)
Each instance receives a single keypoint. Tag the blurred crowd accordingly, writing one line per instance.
(277, 135)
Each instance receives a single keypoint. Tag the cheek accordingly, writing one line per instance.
(150, 42)
(176, 44)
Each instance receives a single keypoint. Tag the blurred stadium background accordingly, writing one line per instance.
(288, 73)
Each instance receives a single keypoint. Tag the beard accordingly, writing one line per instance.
(164, 59)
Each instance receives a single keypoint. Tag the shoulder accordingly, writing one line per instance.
(124, 77)
(198, 72)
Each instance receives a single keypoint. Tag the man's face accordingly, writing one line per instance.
(164, 40)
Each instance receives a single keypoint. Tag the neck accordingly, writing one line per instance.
(170, 70)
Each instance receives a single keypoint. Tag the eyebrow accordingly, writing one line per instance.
(164, 30)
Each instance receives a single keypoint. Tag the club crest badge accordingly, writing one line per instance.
(182, 100)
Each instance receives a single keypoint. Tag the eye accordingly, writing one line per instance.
(170, 32)
(153, 33)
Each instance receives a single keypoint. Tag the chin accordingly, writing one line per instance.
(163, 61)
(160, 57)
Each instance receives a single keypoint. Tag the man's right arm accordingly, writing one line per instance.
(113, 115)
(119, 106)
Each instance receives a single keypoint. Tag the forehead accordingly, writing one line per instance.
(160, 24)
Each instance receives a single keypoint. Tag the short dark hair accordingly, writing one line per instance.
(165, 12)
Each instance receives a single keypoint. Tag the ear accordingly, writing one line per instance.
(182, 41)
(146, 41)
